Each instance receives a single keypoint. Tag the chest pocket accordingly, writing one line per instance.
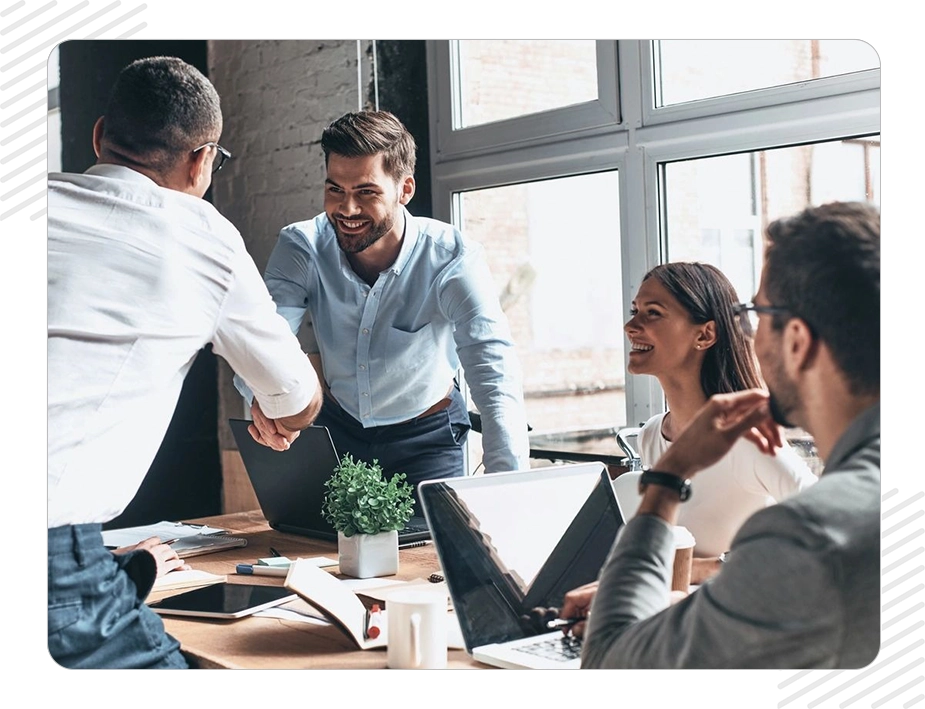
(409, 350)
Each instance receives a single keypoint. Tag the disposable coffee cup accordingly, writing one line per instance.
(683, 559)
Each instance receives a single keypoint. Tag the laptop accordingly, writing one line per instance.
(290, 484)
(512, 542)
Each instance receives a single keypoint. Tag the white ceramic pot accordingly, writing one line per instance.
(364, 556)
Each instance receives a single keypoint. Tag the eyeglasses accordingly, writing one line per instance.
(220, 158)
(747, 315)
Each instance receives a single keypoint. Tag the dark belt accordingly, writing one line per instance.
(439, 406)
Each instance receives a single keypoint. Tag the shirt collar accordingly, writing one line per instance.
(864, 428)
(408, 242)
(119, 172)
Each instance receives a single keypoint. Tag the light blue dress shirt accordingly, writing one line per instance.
(391, 350)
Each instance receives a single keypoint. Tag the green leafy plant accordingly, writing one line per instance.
(359, 500)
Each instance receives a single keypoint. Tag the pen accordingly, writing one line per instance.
(373, 621)
(563, 622)
(254, 570)
(413, 545)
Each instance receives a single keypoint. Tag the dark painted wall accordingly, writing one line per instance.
(403, 91)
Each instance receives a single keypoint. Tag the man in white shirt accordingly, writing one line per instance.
(142, 274)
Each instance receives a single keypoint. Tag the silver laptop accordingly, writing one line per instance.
(512, 542)
(290, 484)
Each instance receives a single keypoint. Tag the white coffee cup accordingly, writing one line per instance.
(417, 624)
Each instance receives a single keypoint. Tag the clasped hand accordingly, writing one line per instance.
(268, 432)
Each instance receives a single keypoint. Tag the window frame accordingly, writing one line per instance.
(624, 130)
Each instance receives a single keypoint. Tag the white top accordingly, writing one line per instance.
(140, 278)
(729, 492)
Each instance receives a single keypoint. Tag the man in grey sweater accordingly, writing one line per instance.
(801, 586)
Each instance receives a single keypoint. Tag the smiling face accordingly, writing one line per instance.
(663, 338)
(362, 202)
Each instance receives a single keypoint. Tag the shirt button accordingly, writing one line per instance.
(365, 330)
(365, 393)
(362, 366)
(365, 293)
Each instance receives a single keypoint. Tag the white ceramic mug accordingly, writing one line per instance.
(417, 629)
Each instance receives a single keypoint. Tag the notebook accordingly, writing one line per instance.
(290, 484)
(511, 542)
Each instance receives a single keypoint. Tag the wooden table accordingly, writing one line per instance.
(273, 643)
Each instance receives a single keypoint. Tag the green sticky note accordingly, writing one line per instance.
(281, 562)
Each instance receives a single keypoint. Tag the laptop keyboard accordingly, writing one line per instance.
(562, 649)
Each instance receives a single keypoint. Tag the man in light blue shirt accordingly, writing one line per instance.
(397, 303)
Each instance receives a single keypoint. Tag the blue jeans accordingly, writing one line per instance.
(427, 448)
(97, 617)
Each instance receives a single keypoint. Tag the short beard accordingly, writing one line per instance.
(777, 412)
(349, 246)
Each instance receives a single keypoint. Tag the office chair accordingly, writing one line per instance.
(626, 485)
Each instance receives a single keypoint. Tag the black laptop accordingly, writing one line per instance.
(290, 484)
(512, 542)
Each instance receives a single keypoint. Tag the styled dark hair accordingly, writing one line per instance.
(823, 266)
(159, 109)
(706, 294)
(364, 133)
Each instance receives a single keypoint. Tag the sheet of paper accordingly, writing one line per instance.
(186, 578)
(296, 610)
(127, 536)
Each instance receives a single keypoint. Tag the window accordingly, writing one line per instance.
(558, 272)
(510, 78)
(710, 139)
(717, 207)
(692, 69)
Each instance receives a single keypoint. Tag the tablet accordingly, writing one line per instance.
(223, 600)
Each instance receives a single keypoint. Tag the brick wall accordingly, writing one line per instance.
(277, 98)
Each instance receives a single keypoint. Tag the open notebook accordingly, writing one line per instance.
(511, 542)
(290, 484)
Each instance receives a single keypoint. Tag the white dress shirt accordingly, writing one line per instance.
(140, 279)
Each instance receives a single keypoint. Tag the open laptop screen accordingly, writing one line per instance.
(510, 542)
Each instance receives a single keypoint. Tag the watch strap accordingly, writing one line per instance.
(674, 482)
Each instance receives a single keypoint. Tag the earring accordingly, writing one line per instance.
(698, 347)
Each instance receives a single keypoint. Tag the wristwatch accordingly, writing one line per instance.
(655, 477)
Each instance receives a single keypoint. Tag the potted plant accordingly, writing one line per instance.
(367, 511)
